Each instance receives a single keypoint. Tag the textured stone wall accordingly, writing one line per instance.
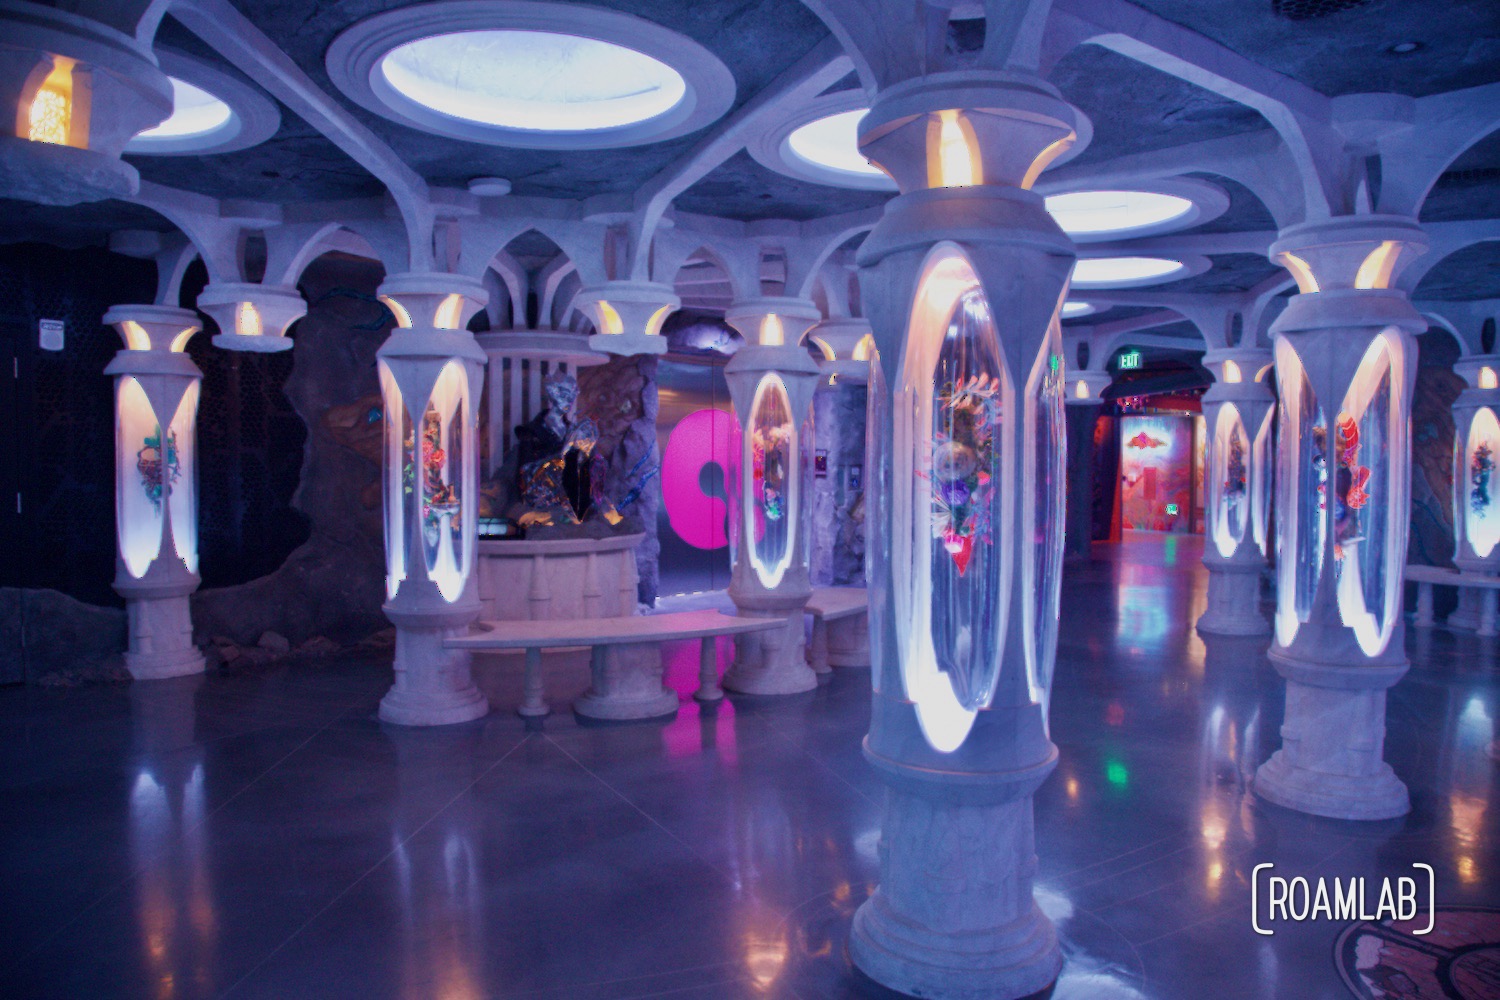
(620, 397)
(838, 525)
(334, 583)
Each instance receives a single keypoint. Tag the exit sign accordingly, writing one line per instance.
(1171, 510)
(1130, 359)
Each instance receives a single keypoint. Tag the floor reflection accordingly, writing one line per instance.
(266, 837)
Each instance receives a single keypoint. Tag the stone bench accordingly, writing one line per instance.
(841, 628)
(1426, 577)
(626, 657)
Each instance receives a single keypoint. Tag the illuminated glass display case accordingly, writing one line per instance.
(1476, 454)
(958, 469)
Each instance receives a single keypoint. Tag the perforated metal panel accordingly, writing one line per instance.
(1307, 10)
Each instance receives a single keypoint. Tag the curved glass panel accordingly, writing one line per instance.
(1229, 499)
(876, 498)
(182, 493)
(145, 467)
(950, 553)
(1366, 498)
(1480, 507)
(442, 462)
(1046, 470)
(772, 464)
(398, 479)
(1260, 481)
(1301, 494)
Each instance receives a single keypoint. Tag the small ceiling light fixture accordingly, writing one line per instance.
(1125, 272)
(530, 75)
(1073, 310)
(489, 187)
(1404, 48)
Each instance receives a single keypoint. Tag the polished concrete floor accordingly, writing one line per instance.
(264, 836)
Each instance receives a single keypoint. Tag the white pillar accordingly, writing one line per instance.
(1345, 367)
(771, 380)
(1237, 415)
(431, 374)
(156, 487)
(962, 281)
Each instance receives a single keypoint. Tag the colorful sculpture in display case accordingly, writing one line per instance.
(1237, 406)
(156, 486)
(1345, 368)
(430, 373)
(962, 281)
(771, 381)
(1476, 449)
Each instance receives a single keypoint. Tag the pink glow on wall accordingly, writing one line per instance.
(705, 437)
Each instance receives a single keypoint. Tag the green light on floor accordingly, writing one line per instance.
(1169, 551)
(1115, 774)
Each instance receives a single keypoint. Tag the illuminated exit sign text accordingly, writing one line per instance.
(1130, 359)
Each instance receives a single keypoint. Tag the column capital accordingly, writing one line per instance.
(251, 316)
(1481, 372)
(628, 316)
(1363, 252)
(772, 320)
(161, 329)
(432, 300)
(968, 128)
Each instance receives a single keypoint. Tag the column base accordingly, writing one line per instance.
(433, 685)
(161, 638)
(1337, 796)
(849, 642)
(1005, 964)
(1233, 602)
(406, 708)
(159, 666)
(771, 663)
(627, 685)
(1332, 741)
(1466, 615)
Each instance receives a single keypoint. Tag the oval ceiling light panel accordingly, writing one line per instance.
(212, 112)
(1073, 310)
(1124, 272)
(530, 75)
(833, 143)
(195, 112)
(1095, 213)
(534, 80)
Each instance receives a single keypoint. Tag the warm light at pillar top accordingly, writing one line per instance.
(1306, 282)
(50, 117)
(653, 325)
(823, 348)
(864, 348)
(1261, 375)
(449, 312)
(136, 338)
(1232, 372)
(956, 159)
(1080, 389)
(609, 319)
(771, 332)
(1487, 379)
(247, 322)
(1375, 272)
(403, 318)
